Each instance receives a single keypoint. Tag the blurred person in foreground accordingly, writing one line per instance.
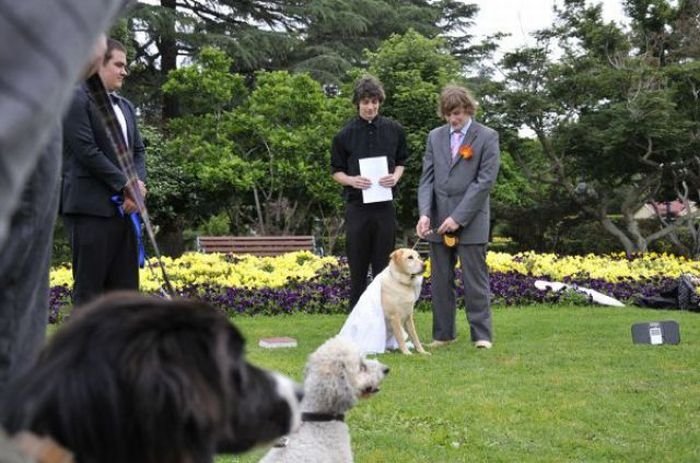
(25, 259)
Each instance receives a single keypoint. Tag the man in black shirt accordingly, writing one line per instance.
(370, 227)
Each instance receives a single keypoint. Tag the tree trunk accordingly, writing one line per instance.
(170, 239)
(167, 46)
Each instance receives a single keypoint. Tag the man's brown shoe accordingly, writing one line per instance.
(438, 343)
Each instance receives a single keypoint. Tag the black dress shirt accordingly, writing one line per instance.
(362, 139)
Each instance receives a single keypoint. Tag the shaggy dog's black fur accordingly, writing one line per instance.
(135, 379)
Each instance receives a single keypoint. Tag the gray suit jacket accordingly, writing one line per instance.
(459, 189)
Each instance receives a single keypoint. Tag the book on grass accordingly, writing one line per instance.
(277, 342)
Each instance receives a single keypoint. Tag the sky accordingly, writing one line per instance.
(521, 17)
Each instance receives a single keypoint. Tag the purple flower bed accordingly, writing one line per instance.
(328, 293)
(59, 299)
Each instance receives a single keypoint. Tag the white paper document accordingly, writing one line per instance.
(374, 169)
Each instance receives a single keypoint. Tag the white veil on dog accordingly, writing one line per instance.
(365, 326)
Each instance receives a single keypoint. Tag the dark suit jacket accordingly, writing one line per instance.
(460, 188)
(91, 173)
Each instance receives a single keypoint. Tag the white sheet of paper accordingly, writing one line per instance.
(374, 169)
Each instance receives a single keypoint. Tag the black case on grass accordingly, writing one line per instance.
(645, 333)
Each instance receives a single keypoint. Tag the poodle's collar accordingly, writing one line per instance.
(308, 416)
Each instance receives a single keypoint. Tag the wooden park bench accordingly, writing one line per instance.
(256, 245)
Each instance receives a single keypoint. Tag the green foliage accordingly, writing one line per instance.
(207, 86)
(338, 32)
(513, 188)
(172, 190)
(208, 150)
(264, 160)
(60, 251)
(412, 62)
(287, 125)
(216, 225)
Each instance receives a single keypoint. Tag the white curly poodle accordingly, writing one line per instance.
(335, 377)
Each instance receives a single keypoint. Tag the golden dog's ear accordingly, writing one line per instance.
(395, 255)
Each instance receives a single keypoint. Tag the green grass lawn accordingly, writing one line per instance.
(561, 384)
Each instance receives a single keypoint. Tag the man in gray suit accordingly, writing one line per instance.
(49, 46)
(460, 166)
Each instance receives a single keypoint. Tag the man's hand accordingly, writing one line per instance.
(423, 226)
(448, 226)
(388, 181)
(360, 182)
(129, 205)
(142, 189)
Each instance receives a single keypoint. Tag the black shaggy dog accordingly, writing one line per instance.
(137, 379)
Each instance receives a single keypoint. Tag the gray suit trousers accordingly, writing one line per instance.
(477, 292)
(24, 266)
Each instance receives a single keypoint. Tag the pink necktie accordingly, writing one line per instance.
(456, 141)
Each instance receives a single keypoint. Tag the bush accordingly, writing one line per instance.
(217, 225)
(584, 237)
(61, 252)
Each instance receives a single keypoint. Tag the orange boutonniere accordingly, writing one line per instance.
(466, 151)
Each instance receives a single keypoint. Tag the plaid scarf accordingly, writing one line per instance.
(126, 163)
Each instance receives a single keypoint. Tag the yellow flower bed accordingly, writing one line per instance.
(61, 276)
(197, 268)
(256, 272)
(610, 268)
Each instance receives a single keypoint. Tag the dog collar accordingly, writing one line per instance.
(411, 277)
(307, 416)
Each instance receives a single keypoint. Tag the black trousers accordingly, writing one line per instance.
(370, 238)
(105, 255)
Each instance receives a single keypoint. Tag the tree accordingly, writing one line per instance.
(325, 38)
(614, 121)
(253, 33)
(285, 127)
(173, 199)
(262, 156)
(336, 33)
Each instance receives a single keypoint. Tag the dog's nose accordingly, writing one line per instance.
(299, 392)
(385, 370)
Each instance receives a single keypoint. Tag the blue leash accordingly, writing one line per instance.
(135, 220)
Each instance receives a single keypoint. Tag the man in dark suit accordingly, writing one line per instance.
(370, 227)
(95, 202)
(460, 166)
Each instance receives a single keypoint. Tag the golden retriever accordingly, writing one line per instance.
(400, 290)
